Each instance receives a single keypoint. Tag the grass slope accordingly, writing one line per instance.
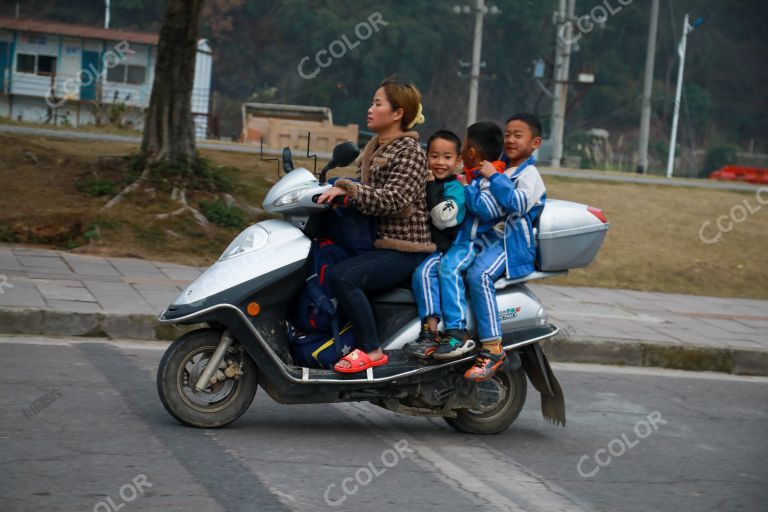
(49, 196)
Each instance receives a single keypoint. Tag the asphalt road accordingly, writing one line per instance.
(82, 429)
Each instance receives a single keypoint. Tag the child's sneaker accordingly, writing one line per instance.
(486, 365)
(424, 345)
(455, 343)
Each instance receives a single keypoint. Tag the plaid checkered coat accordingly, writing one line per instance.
(392, 180)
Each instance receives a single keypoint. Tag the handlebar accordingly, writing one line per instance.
(339, 201)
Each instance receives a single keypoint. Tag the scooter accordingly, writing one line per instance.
(208, 377)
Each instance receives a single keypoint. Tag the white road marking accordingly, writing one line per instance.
(55, 341)
(474, 468)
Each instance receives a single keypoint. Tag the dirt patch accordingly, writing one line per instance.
(53, 192)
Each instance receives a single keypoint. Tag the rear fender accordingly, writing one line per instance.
(540, 373)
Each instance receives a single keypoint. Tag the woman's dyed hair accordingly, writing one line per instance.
(405, 95)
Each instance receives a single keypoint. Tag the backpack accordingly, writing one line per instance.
(321, 334)
(318, 339)
(315, 310)
(320, 349)
(350, 229)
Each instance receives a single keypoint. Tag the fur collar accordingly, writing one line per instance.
(372, 149)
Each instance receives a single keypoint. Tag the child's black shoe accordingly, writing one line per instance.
(455, 343)
(424, 345)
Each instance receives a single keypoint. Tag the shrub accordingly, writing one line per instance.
(220, 214)
(718, 156)
(96, 187)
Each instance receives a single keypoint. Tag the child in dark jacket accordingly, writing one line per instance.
(438, 283)
(445, 203)
(445, 193)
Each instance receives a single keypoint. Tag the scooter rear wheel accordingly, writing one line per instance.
(218, 404)
(492, 419)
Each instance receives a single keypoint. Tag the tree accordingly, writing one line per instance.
(168, 143)
(169, 128)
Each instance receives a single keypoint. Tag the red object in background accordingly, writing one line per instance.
(739, 173)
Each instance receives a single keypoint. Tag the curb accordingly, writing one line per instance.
(648, 353)
(559, 349)
(47, 322)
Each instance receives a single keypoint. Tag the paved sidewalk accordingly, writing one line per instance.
(58, 293)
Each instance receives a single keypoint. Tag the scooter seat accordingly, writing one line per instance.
(397, 295)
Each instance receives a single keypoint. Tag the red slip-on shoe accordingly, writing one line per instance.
(359, 362)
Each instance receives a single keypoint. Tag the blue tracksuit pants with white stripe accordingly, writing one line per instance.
(438, 285)
(489, 265)
(426, 286)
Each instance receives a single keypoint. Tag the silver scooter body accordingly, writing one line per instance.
(244, 301)
(267, 246)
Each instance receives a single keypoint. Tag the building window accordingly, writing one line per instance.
(44, 65)
(116, 73)
(123, 74)
(136, 75)
(25, 63)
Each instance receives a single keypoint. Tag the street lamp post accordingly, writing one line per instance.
(687, 29)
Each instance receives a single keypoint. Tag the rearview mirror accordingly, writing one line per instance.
(343, 155)
(287, 159)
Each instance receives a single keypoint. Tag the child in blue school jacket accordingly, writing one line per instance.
(505, 207)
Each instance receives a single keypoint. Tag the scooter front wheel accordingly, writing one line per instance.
(499, 401)
(221, 402)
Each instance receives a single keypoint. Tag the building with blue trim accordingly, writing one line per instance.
(76, 75)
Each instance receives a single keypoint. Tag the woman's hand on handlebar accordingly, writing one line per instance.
(330, 194)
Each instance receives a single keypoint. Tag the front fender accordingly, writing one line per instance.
(285, 248)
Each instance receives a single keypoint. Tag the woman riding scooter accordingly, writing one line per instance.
(392, 173)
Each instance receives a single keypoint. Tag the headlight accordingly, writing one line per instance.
(289, 198)
(253, 238)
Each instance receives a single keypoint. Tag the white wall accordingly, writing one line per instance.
(4, 104)
(35, 44)
(201, 89)
(132, 94)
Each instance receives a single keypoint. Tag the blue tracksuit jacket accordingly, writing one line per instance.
(505, 206)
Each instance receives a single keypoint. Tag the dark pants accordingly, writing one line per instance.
(375, 270)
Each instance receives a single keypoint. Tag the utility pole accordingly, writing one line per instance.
(645, 119)
(564, 41)
(477, 49)
(106, 14)
(474, 79)
(687, 29)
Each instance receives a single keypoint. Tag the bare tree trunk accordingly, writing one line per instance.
(168, 127)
